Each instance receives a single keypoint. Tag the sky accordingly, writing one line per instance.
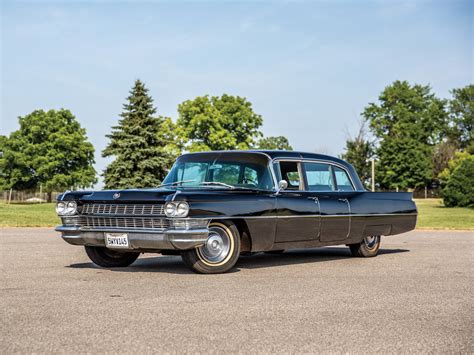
(308, 67)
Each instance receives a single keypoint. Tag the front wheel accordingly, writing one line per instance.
(369, 247)
(220, 252)
(106, 257)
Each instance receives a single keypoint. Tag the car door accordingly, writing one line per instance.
(333, 204)
(297, 212)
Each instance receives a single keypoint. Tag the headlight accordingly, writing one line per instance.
(182, 209)
(170, 209)
(60, 207)
(71, 208)
(176, 209)
(66, 208)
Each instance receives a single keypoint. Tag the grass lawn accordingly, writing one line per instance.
(28, 215)
(431, 215)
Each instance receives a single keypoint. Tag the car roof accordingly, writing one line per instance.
(278, 154)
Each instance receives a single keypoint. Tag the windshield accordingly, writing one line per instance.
(221, 170)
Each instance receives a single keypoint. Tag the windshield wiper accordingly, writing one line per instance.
(175, 183)
(217, 183)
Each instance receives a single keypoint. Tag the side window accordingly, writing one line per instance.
(319, 177)
(289, 172)
(342, 180)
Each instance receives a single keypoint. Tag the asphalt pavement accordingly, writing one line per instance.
(416, 296)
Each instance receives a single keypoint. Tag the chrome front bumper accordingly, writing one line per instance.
(167, 239)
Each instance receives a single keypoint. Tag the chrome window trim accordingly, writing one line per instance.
(277, 159)
(322, 161)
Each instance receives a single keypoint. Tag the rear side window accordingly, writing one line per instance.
(288, 171)
(319, 177)
(342, 180)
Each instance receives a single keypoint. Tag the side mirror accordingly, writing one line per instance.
(282, 185)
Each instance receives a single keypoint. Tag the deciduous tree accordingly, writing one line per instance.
(443, 153)
(453, 164)
(218, 123)
(459, 190)
(274, 143)
(359, 150)
(49, 149)
(408, 121)
(461, 111)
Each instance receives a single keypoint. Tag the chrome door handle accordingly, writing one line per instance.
(343, 199)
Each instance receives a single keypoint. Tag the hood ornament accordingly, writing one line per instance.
(116, 195)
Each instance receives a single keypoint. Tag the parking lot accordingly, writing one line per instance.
(415, 296)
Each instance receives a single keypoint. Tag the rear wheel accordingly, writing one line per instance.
(369, 247)
(220, 252)
(106, 257)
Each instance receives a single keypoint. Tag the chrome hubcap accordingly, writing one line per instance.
(217, 246)
(371, 242)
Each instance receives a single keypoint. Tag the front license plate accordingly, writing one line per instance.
(116, 240)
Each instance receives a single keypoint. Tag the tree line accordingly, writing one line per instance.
(416, 138)
(51, 149)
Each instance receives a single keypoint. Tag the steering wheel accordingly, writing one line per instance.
(248, 181)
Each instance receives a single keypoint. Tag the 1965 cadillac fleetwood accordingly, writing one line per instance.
(213, 206)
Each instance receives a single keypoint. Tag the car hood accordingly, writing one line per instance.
(152, 195)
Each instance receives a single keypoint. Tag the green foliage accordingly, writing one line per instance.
(167, 134)
(142, 144)
(461, 110)
(404, 163)
(359, 150)
(408, 121)
(218, 123)
(443, 153)
(49, 149)
(274, 143)
(458, 158)
(459, 190)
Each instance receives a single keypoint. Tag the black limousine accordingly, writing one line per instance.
(213, 206)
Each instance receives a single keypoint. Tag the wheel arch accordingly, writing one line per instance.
(245, 237)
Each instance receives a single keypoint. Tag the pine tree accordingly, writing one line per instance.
(138, 145)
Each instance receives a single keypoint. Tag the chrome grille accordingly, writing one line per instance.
(123, 222)
(123, 209)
